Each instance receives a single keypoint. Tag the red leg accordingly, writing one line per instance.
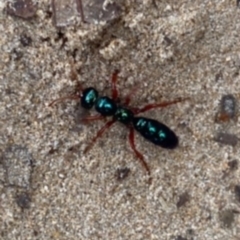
(92, 118)
(99, 134)
(157, 105)
(114, 87)
(137, 153)
(72, 97)
(130, 94)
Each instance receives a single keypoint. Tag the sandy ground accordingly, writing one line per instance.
(49, 189)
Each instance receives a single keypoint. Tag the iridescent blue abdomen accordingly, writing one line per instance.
(155, 132)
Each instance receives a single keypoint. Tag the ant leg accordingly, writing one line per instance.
(115, 91)
(130, 94)
(114, 87)
(157, 105)
(99, 134)
(137, 153)
(72, 97)
(92, 118)
(76, 96)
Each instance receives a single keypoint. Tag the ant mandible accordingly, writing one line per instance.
(152, 130)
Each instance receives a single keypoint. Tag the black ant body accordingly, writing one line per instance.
(152, 130)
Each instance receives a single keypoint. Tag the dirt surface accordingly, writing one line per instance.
(50, 189)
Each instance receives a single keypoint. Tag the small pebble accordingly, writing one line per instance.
(183, 199)
(227, 109)
(22, 8)
(122, 173)
(23, 200)
(227, 139)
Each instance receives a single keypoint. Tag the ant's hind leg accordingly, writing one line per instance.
(138, 154)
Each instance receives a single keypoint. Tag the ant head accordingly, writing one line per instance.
(88, 97)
